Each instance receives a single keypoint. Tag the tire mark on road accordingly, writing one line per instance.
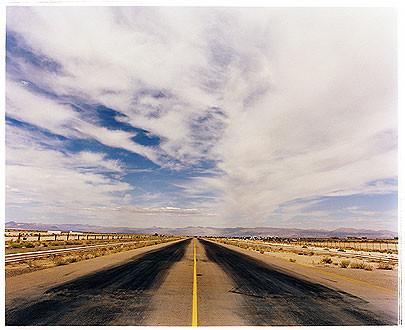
(272, 297)
(115, 296)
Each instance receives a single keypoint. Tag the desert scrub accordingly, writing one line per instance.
(58, 261)
(385, 265)
(341, 250)
(75, 242)
(70, 260)
(326, 260)
(292, 260)
(15, 245)
(361, 265)
(344, 263)
(31, 263)
(56, 243)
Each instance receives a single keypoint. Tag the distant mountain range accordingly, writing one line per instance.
(209, 231)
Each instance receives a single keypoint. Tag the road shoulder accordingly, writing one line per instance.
(33, 284)
(380, 298)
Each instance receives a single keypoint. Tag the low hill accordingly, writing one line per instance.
(210, 231)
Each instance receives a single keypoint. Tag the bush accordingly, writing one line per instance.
(73, 243)
(71, 260)
(385, 265)
(344, 263)
(15, 245)
(305, 247)
(326, 260)
(368, 267)
(60, 261)
(29, 245)
(341, 250)
(357, 265)
(361, 265)
(292, 260)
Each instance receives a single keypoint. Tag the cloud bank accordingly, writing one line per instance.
(251, 116)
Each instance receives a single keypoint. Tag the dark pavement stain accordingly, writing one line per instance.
(102, 298)
(271, 297)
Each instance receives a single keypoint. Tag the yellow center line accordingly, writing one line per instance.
(194, 313)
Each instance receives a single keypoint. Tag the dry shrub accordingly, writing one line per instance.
(15, 245)
(58, 261)
(70, 260)
(385, 265)
(292, 260)
(361, 265)
(30, 245)
(344, 263)
(326, 260)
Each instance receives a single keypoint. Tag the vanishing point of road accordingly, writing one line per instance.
(192, 282)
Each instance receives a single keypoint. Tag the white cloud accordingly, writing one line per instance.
(290, 102)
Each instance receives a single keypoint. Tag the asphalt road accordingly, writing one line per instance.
(115, 296)
(155, 288)
(272, 297)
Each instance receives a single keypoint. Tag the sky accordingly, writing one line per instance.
(225, 117)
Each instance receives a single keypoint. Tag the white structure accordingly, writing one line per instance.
(54, 232)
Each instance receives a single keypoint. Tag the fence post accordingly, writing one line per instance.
(39, 236)
(87, 237)
(67, 238)
(19, 237)
(55, 236)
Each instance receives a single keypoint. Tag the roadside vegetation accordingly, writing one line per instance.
(11, 246)
(304, 255)
(72, 257)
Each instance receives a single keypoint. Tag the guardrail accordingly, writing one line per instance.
(22, 256)
(44, 236)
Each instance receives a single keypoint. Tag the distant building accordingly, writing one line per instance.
(54, 232)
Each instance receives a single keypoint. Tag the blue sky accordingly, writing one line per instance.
(248, 117)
